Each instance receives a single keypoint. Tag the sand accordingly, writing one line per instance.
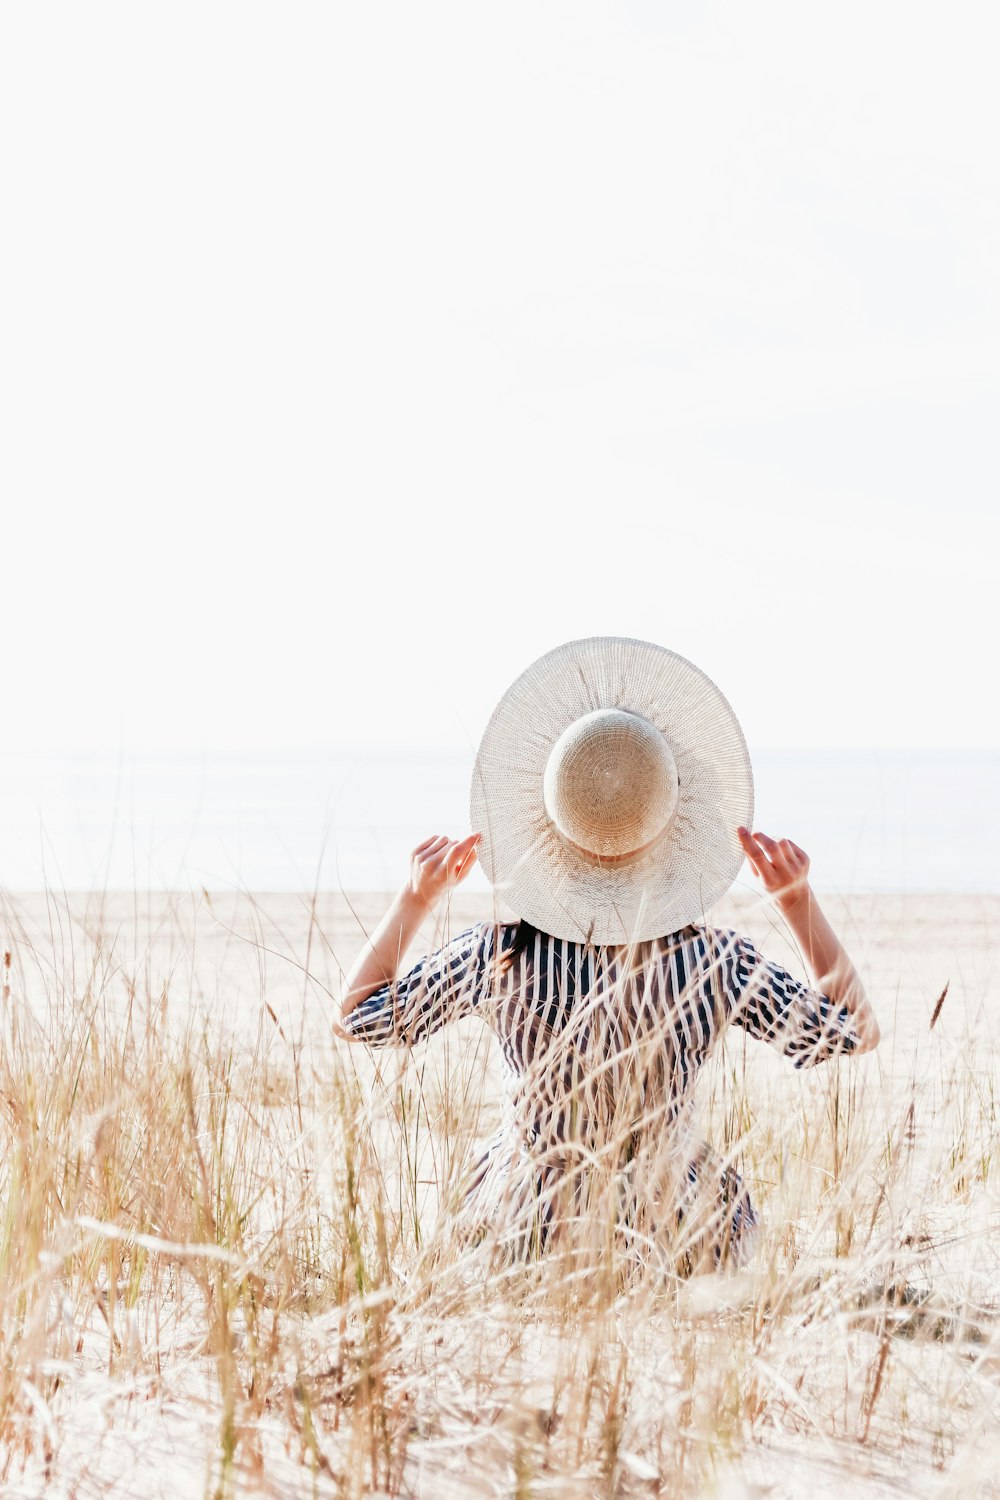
(265, 969)
(233, 950)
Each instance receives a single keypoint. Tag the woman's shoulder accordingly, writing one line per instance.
(713, 944)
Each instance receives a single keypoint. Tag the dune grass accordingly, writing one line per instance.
(224, 1268)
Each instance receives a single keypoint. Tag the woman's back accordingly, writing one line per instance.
(601, 1045)
(610, 797)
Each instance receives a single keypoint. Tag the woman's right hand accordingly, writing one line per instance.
(439, 864)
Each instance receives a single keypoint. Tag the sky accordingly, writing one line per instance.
(353, 356)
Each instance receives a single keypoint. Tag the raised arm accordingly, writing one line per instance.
(436, 866)
(783, 870)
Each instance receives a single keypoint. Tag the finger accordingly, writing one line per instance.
(466, 846)
(751, 849)
(434, 849)
(795, 849)
(458, 851)
(768, 845)
(466, 865)
(420, 847)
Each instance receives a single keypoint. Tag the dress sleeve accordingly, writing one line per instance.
(442, 987)
(769, 1003)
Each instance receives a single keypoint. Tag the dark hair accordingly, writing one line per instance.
(524, 936)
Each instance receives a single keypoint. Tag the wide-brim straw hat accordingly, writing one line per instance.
(608, 789)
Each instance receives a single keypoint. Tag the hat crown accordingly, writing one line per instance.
(549, 857)
(610, 783)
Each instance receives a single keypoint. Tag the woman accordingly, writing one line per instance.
(611, 804)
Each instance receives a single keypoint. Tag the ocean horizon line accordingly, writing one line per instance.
(872, 819)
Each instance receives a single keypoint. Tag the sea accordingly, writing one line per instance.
(871, 820)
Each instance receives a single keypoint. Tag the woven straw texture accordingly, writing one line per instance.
(610, 783)
(538, 856)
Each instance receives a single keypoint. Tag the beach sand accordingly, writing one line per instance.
(232, 950)
(120, 1390)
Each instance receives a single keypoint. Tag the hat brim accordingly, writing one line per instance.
(548, 881)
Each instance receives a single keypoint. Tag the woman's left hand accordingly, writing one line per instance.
(439, 864)
(781, 866)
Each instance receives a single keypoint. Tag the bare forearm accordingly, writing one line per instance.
(436, 865)
(783, 869)
(828, 961)
(379, 960)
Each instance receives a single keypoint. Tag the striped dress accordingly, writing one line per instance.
(601, 1047)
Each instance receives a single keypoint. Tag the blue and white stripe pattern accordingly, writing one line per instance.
(601, 1047)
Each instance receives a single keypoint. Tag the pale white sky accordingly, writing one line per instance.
(351, 356)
